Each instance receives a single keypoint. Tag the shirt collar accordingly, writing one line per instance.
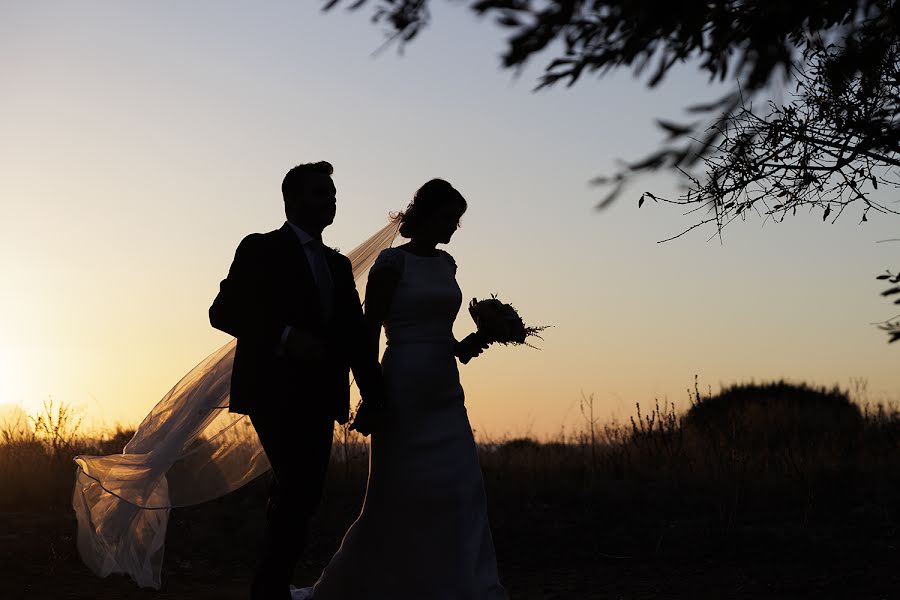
(302, 235)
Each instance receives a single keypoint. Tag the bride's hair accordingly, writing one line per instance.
(425, 202)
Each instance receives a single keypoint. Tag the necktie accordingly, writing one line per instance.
(323, 278)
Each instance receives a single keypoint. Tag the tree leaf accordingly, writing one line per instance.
(674, 129)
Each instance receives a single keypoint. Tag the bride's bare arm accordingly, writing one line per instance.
(380, 290)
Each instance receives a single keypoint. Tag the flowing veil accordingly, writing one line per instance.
(188, 450)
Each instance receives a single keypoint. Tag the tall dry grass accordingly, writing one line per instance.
(752, 454)
(36, 467)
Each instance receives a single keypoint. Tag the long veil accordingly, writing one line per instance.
(188, 450)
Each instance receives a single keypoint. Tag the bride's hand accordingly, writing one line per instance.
(471, 346)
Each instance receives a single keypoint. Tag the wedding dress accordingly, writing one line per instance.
(188, 450)
(423, 532)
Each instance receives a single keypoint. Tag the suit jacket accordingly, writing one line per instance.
(270, 285)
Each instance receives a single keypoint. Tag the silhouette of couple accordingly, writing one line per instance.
(292, 304)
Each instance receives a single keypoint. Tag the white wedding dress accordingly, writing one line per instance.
(423, 532)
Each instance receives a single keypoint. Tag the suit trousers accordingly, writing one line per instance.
(298, 447)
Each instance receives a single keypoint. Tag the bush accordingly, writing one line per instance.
(770, 416)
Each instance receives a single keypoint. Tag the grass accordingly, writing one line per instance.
(763, 490)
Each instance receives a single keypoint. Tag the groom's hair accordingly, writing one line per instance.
(428, 199)
(292, 185)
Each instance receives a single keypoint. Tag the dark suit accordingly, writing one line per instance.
(292, 405)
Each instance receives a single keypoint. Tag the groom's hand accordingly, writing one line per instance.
(369, 418)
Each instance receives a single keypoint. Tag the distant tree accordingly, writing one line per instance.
(833, 141)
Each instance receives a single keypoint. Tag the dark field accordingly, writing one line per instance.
(772, 491)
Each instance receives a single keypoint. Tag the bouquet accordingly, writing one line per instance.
(499, 322)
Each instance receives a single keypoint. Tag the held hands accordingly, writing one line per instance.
(303, 347)
(471, 346)
(369, 418)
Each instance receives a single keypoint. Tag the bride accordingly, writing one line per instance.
(423, 531)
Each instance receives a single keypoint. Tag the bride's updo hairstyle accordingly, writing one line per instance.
(425, 203)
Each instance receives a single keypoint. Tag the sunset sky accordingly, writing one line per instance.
(139, 142)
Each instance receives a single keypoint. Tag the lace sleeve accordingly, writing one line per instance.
(390, 258)
(450, 260)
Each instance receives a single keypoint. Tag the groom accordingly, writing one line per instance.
(292, 304)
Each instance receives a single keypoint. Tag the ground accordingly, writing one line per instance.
(546, 549)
